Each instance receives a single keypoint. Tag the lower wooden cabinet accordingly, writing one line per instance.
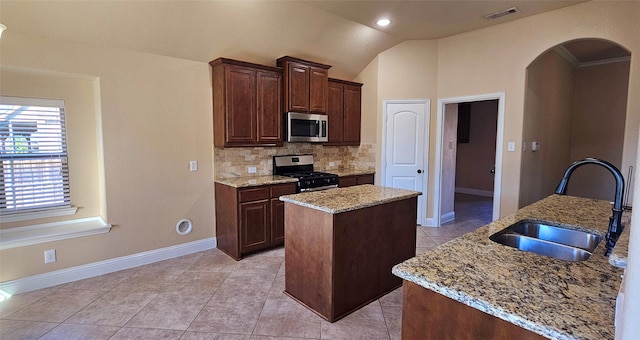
(348, 181)
(254, 225)
(250, 219)
(429, 315)
(277, 221)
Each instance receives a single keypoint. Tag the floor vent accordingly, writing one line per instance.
(502, 13)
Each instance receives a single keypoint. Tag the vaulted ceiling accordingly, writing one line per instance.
(338, 33)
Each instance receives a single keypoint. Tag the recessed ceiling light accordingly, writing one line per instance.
(383, 22)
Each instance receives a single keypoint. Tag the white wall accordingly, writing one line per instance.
(597, 128)
(548, 113)
(449, 155)
(494, 60)
(156, 117)
(83, 144)
(405, 71)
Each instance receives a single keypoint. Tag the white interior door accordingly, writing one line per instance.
(405, 136)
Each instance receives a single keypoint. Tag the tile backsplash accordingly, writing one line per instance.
(234, 162)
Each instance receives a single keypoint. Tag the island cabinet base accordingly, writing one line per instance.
(337, 263)
(429, 315)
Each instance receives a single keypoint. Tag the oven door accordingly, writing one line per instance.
(304, 127)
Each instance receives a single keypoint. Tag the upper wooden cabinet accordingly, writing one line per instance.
(269, 115)
(246, 104)
(344, 110)
(305, 85)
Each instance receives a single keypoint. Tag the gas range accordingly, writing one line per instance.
(301, 167)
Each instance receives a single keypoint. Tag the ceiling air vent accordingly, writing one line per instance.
(502, 13)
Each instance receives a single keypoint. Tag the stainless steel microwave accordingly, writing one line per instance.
(306, 127)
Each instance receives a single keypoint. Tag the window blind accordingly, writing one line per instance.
(34, 174)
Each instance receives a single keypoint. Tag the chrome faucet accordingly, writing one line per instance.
(615, 221)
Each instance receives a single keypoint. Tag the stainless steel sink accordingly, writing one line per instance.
(547, 239)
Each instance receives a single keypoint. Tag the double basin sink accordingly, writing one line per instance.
(548, 239)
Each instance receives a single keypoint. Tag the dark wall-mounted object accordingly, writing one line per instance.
(464, 122)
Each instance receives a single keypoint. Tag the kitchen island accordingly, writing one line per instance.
(542, 296)
(342, 243)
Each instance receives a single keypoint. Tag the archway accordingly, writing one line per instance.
(575, 107)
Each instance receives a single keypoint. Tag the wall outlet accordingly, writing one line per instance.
(332, 163)
(193, 165)
(49, 256)
(252, 169)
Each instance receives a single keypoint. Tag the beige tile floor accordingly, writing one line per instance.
(207, 295)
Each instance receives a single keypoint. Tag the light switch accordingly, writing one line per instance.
(251, 169)
(511, 146)
(535, 146)
(193, 165)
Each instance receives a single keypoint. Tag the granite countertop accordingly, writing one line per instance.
(349, 172)
(253, 181)
(554, 298)
(339, 200)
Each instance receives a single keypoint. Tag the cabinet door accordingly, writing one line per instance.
(277, 221)
(352, 119)
(347, 181)
(298, 88)
(254, 225)
(277, 211)
(269, 117)
(240, 105)
(318, 89)
(364, 179)
(335, 113)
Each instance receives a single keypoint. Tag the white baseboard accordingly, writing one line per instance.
(447, 217)
(430, 222)
(486, 193)
(27, 284)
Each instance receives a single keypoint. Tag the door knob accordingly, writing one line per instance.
(419, 171)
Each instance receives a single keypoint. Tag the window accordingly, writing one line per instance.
(34, 174)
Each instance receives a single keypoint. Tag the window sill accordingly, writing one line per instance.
(35, 234)
(39, 214)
